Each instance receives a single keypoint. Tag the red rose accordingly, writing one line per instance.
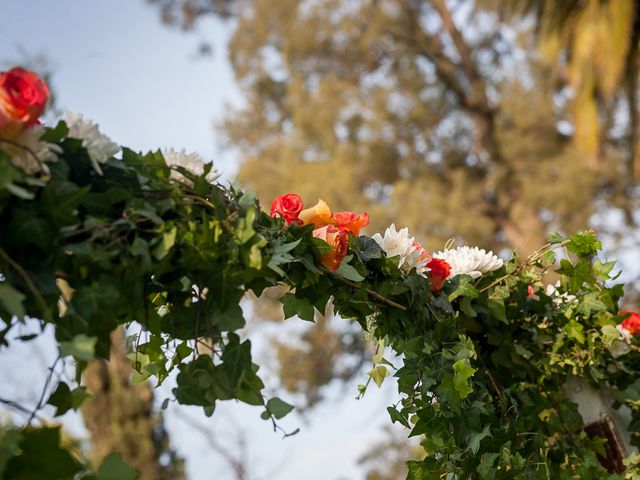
(351, 222)
(338, 239)
(632, 323)
(288, 207)
(23, 98)
(439, 272)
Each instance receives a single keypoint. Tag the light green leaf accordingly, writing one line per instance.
(602, 269)
(81, 347)
(378, 374)
(165, 245)
(591, 303)
(610, 334)
(574, 330)
(463, 371)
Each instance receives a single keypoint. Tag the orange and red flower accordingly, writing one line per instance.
(351, 222)
(439, 272)
(288, 207)
(339, 241)
(23, 98)
(332, 228)
(632, 323)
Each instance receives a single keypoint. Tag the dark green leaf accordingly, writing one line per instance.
(114, 468)
(278, 408)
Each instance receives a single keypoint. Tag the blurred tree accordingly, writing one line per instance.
(389, 107)
(594, 44)
(121, 418)
(386, 460)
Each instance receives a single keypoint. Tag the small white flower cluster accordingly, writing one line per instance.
(471, 261)
(99, 147)
(627, 336)
(30, 153)
(400, 244)
(559, 298)
(191, 161)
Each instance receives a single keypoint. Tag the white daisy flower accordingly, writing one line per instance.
(471, 261)
(99, 147)
(400, 244)
(191, 161)
(30, 153)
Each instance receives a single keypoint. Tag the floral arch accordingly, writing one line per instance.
(90, 241)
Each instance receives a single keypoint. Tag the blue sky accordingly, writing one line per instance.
(114, 61)
(144, 84)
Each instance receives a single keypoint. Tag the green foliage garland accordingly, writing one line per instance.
(484, 362)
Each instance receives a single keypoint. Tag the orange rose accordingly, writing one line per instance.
(351, 222)
(338, 239)
(23, 98)
(439, 272)
(632, 323)
(288, 207)
(319, 215)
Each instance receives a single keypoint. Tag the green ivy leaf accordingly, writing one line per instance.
(348, 272)
(574, 330)
(396, 416)
(11, 299)
(485, 469)
(65, 399)
(584, 244)
(368, 248)
(167, 242)
(591, 303)
(61, 399)
(476, 438)
(278, 408)
(41, 456)
(463, 371)
(610, 334)
(602, 269)
(464, 288)
(114, 468)
(301, 307)
(465, 306)
(497, 310)
(378, 374)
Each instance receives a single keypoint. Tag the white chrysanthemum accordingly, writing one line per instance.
(191, 161)
(559, 298)
(471, 261)
(99, 147)
(400, 244)
(30, 153)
